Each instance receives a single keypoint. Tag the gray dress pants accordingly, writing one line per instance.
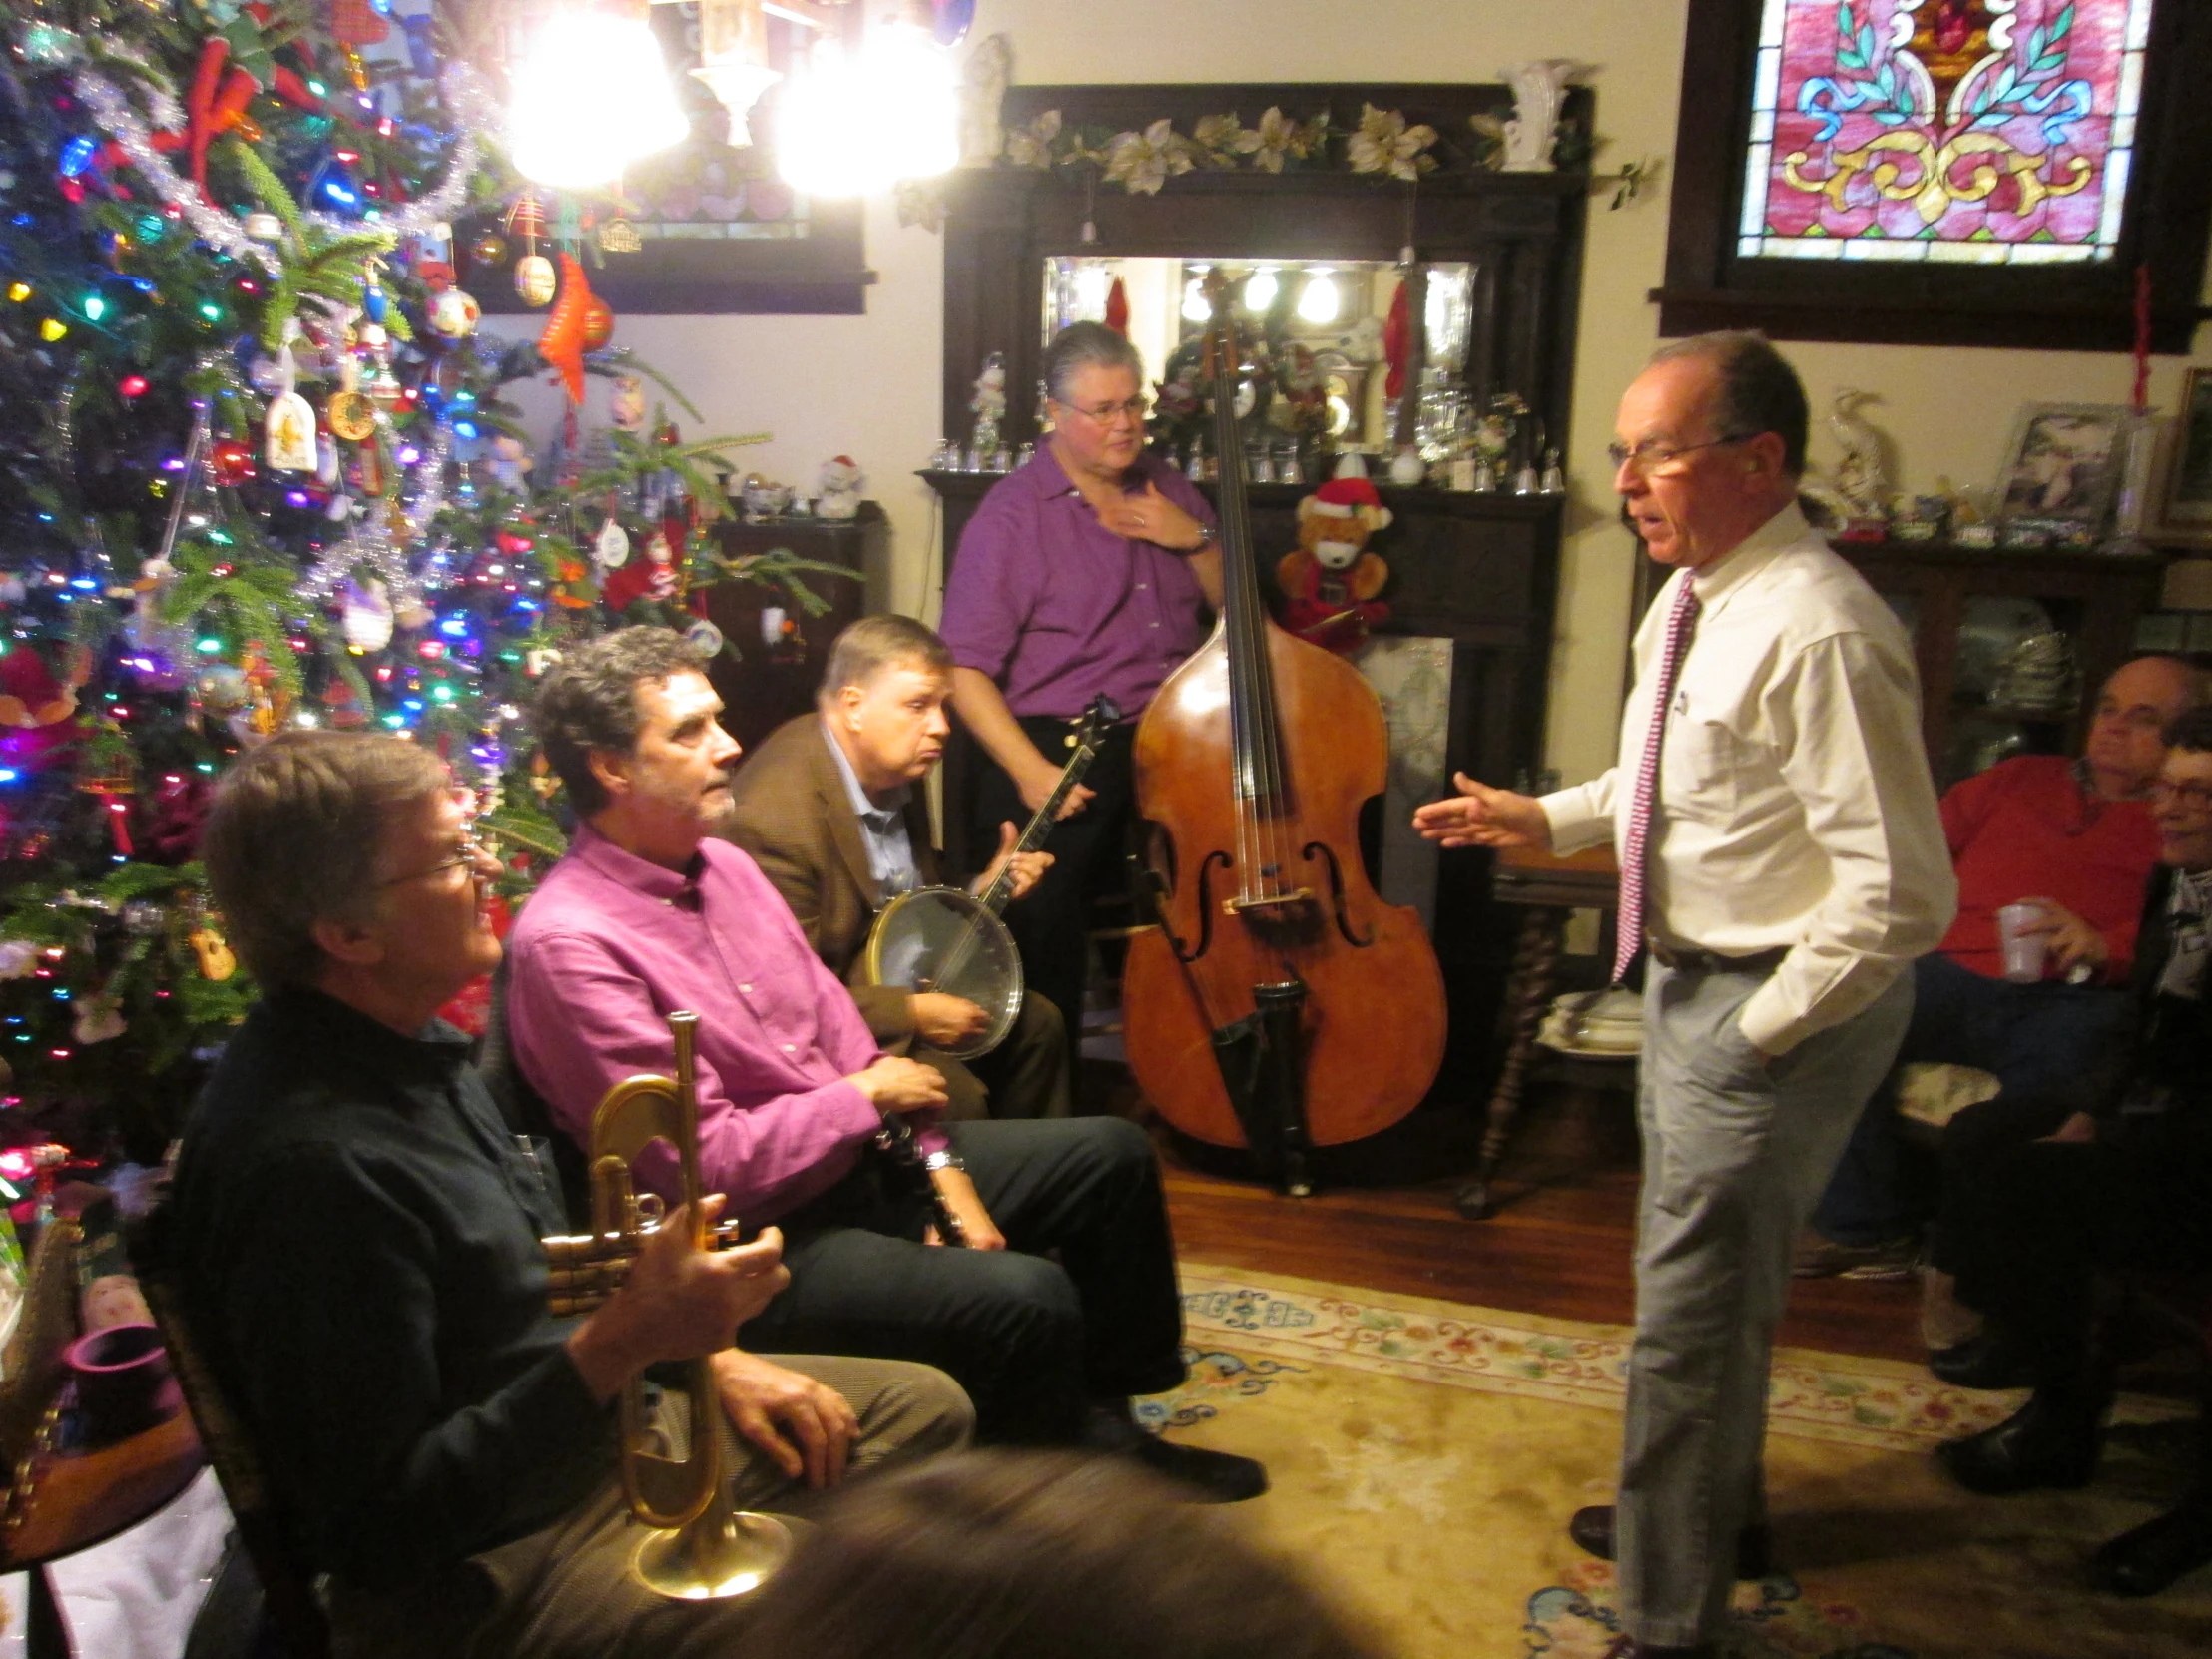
(1736, 1150)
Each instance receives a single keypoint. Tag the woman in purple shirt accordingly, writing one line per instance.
(1089, 571)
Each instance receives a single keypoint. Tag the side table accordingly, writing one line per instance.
(1549, 887)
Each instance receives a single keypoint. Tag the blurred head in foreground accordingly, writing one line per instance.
(1001, 1555)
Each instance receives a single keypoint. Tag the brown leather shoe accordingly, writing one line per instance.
(1592, 1529)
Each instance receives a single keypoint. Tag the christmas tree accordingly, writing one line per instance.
(257, 471)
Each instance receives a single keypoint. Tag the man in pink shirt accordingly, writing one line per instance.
(647, 913)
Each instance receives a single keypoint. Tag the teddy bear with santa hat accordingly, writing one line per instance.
(1330, 582)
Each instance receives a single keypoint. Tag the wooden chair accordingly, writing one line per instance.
(291, 1610)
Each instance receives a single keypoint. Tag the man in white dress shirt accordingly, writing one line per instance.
(1784, 852)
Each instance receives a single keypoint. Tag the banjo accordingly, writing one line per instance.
(950, 940)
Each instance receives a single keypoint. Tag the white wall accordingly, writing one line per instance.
(868, 386)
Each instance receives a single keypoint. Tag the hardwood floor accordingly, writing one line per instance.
(1559, 1244)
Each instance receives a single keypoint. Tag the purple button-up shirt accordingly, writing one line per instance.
(609, 944)
(1057, 607)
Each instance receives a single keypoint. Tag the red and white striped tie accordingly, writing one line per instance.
(1680, 621)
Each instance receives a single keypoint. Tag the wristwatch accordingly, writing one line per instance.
(943, 1160)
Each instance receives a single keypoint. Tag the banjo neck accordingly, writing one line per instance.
(1096, 720)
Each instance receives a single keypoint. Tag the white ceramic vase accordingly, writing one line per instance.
(1539, 86)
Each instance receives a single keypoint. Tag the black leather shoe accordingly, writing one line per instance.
(2144, 1561)
(1204, 1476)
(2037, 1446)
(1592, 1530)
(1989, 1360)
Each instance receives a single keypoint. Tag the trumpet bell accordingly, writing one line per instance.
(721, 1555)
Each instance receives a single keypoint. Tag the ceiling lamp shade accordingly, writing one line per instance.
(852, 125)
(733, 59)
(592, 97)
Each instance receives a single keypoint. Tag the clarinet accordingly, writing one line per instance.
(896, 1141)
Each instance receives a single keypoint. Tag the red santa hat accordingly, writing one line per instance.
(1341, 497)
(1350, 497)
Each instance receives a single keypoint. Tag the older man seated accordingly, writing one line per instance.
(2120, 1188)
(357, 1242)
(2074, 838)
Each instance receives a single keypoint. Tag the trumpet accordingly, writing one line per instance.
(698, 1547)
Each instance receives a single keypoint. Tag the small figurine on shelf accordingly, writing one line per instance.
(839, 485)
(1330, 583)
(989, 408)
(1861, 477)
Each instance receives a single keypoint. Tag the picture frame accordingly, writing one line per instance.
(2185, 492)
(2061, 469)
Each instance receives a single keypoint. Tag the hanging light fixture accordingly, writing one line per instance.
(1260, 289)
(592, 96)
(733, 59)
(859, 122)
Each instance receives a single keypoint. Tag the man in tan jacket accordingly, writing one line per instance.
(828, 808)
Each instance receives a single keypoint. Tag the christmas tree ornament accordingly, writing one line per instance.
(143, 919)
(626, 404)
(351, 416)
(264, 226)
(230, 462)
(432, 259)
(705, 637)
(221, 688)
(290, 424)
(327, 459)
(97, 1020)
(612, 545)
(18, 958)
(490, 249)
(534, 280)
(455, 314)
(599, 324)
(215, 962)
(368, 616)
(562, 343)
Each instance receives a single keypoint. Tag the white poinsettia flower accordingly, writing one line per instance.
(1385, 144)
(1141, 162)
(1275, 138)
(1031, 146)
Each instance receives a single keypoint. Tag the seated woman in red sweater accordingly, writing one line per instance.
(2076, 839)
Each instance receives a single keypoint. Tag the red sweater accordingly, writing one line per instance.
(2025, 830)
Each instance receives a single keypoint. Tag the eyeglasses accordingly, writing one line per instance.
(1104, 413)
(1653, 457)
(469, 853)
(2196, 797)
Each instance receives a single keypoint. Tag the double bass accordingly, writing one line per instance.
(1279, 1003)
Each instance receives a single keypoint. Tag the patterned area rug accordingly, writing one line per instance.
(1425, 1457)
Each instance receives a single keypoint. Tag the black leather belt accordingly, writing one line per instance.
(1685, 959)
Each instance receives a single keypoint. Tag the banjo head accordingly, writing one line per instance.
(945, 939)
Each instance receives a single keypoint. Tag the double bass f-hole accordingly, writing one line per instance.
(1327, 854)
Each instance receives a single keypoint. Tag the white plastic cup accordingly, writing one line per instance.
(2023, 951)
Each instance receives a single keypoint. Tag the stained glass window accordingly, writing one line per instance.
(1974, 132)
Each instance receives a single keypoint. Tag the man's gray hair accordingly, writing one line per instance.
(1082, 345)
(867, 647)
(295, 835)
(1759, 391)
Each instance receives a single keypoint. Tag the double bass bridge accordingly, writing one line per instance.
(1268, 902)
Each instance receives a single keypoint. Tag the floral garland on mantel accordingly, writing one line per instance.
(1382, 143)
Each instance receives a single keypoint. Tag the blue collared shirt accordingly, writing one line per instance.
(891, 850)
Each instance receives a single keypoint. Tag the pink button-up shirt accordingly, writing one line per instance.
(609, 944)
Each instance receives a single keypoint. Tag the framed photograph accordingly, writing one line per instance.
(2185, 504)
(2062, 467)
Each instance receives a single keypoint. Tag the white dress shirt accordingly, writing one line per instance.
(1795, 808)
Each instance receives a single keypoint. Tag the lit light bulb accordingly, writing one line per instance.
(592, 97)
(861, 123)
(1318, 303)
(1196, 309)
(1090, 291)
(1259, 289)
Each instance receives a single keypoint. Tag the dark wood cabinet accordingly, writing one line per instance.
(768, 683)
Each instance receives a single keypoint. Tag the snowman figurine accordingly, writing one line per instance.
(840, 484)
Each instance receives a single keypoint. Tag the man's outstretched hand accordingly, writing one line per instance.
(1485, 817)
